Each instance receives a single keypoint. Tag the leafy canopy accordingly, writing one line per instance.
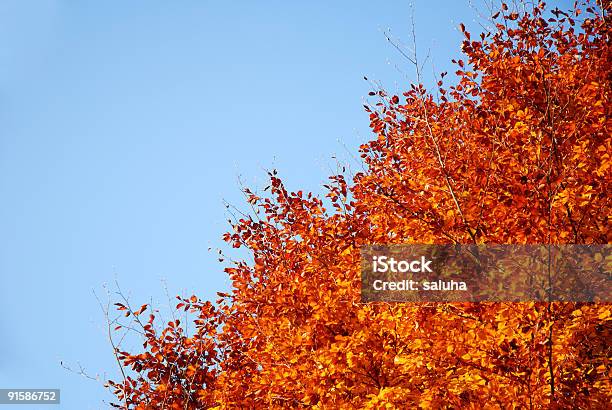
(516, 150)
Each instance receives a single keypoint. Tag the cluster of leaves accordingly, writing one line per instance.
(516, 151)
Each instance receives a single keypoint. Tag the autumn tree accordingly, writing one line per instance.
(515, 150)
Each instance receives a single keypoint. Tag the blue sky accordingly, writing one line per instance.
(124, 125)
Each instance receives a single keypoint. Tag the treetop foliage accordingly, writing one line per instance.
(516, 150)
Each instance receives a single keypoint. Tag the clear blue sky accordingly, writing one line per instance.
(123, 125)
